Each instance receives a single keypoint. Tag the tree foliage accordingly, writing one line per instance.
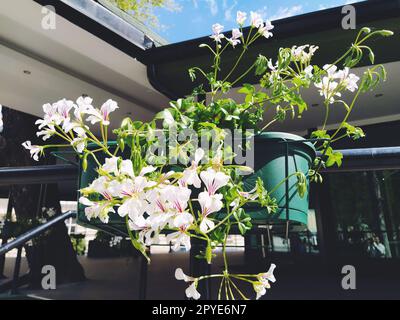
(143, 10)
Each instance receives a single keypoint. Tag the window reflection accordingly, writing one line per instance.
(366, 206)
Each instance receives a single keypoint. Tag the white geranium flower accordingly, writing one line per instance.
(263, 281)
(269, 275)
(179, 238)
(157, 198)
(146, 170)
(80, 131)
(217, 28)
(235, 39)
(214, 180)
(301, 54)
(100, 186)
(85, 201)
(217, 32)
(111, 165)
(133, 207)
(46, 133)
(51, 116)
(308, 71)
(99, 210)
(256, 19)
(159, 209)
(271, 66)
(260, 289)
(209, 204)
(83, 106)
(102, 115)
(191, 292)
(182, 219)
(123, 167)
(34, 150)
(78, 143)
(241, 17)
(328, 89)
(126, 168)
(135, 203)
(265, 29)
(96, 209)
(190, 175)
(138, 224)
(147, 234)
(178, 197)
(247, 195)
(64, 106)
(331, 70)
(311, 52)
(168, 118)
(179, 275)
(349, 80)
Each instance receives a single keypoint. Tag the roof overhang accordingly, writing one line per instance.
(78, 57)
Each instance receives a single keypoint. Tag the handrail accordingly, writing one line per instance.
(367, 159)
(29, 235)
(370, 153)
(37, 174)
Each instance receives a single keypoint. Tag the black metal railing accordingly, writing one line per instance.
(38, 174)
(32, 175)
(364, 159)
(21, 240)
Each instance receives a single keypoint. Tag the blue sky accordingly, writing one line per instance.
(194, 18)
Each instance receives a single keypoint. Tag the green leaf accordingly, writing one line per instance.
(320, 134)
(247, 89)
(334, 157)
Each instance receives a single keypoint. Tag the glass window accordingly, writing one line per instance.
(366, 207)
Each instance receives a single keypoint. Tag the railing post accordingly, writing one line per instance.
(4, 238)
(17, 268)
(143, 277)
(2, 260)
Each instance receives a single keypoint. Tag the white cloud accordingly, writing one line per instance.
(228, 11)
(285, 12)
(338, 4)
(213, 6)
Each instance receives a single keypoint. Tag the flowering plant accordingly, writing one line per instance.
(183, 190)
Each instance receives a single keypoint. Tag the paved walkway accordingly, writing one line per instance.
(118, 279)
